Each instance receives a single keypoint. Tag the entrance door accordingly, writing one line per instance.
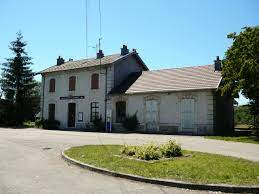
(71, 115)
(151, 116)
(187, 115)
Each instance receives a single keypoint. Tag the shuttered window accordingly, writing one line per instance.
(95, 81)
(52, 85)
(72, 83)
(52, 112)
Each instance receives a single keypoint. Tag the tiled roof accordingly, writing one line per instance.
(84, 63)
(176, 79)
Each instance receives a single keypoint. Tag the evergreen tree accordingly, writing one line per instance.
(17, 82)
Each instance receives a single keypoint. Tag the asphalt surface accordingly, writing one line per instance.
(30, 162)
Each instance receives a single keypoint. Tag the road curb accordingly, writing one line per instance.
(172, 183)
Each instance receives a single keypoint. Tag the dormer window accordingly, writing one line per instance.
(72, 83)
(95, 81)
(52, 85)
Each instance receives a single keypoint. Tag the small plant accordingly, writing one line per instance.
(149, 152)
(39, 123)
(99, 124)
(171, 149)
(131, 122)
(128, 150)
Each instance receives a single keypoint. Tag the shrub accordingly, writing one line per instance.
(149, 152)
(128, 150)
(99, 124)
(39, 123)
(50, 124)
(153, 151)
(171, 149)
(131, 122)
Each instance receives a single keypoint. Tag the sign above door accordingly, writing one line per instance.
(71, 97)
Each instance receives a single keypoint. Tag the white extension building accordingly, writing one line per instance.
(178, 100)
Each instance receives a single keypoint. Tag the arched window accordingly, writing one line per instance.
(72, 83)
(95, 81)
(52, 83)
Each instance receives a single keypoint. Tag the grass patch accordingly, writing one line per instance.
(198, 167)
(243, 126)
(244, 139)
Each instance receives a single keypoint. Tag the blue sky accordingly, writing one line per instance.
(166, 33)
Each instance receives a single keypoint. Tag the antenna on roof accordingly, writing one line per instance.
(86, 33)
(100, 20)
(99, 43)
(100, 36)
(100, 27)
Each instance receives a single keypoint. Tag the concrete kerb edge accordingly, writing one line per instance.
(171, 183)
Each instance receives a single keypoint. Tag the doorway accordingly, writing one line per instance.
(187, 115)
(71, 115)
(151, 116)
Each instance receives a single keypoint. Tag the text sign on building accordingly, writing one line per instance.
(71, 97)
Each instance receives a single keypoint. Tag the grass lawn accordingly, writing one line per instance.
(198, 167)
(245, 139)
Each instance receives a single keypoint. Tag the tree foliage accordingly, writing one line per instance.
(241, 67)
(17, 82)
(243, 115)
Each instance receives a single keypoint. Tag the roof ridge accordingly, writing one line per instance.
(186, 67)
(92, 58)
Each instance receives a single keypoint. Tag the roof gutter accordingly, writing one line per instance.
(219, 82)
(165, 91)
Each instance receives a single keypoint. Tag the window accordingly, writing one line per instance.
(94, 111)
(80, 116)
(52, 83)
(95, 81)
(72, 83)
(51, 112)
(120, 111)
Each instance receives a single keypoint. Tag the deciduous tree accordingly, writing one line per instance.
(241, 68)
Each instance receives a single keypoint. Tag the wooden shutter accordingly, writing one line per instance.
(72, 83)
(52, 84)
(95, 81)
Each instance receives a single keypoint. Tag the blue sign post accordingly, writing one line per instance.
(109, 121)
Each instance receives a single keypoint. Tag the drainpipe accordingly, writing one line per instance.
(105, 99)
(43, 89)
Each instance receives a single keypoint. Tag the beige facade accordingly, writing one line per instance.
(171, 101)
(83, 88)
(169, 110)
(109, 76)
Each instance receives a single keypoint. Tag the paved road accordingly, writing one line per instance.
(30, 162)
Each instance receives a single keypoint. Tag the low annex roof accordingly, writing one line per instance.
(91, 62)
(175, 79)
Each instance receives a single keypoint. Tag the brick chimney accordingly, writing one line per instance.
(60, 60)
(217, 64)
(100, 54)
(124, 50)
